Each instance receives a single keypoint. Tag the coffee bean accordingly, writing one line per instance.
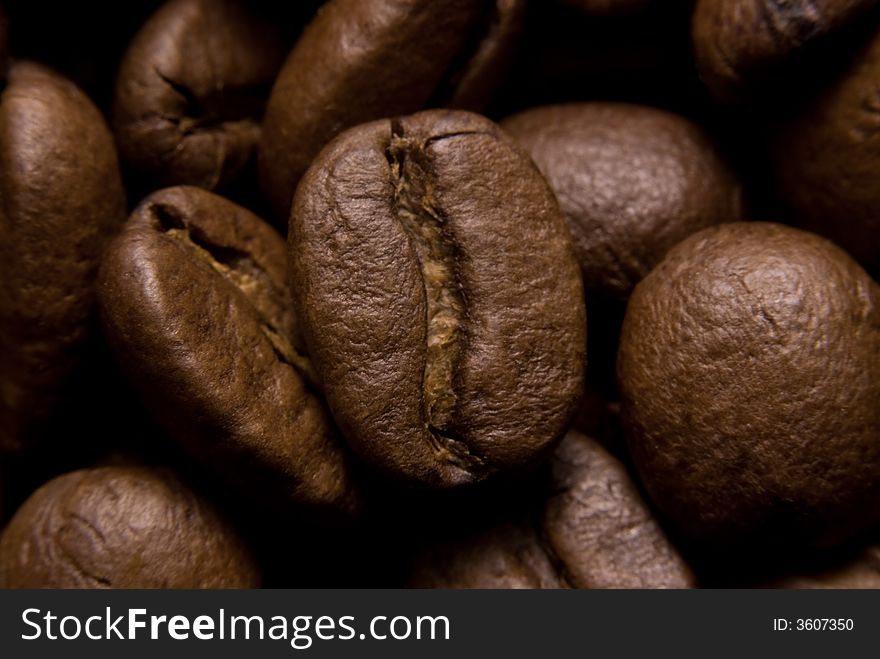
(504, 555)
(828, 159)
(417, 349)
(749, 370)
(191, 91)
(592, 530)
(742, 45)
(196, 306)
(601, 529)
(361, 60)
(122, 527)
(62, 201)
(439, 297)
(632, 181)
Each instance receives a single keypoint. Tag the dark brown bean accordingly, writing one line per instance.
(749, 371)
(827, 159)
(599, 527)
(591, 530)
(191, 91)
(439, 296)
(62, 201)
(632, 181)
(361, 60)
(196, 306)
(741, 45)
(504, 555)
(122, 527)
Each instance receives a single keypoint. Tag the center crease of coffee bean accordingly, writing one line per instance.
(427, 228)
(242, 271)
(214, 112)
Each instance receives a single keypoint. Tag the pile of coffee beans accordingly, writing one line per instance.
(460, 294)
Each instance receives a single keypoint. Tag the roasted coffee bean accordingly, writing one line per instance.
(196, 306)
(122, 527)
(504, 555)
(828, 161)
(600, 528)
(362, 60)
(632, 181)
(741, 44)
(417, 349)
(62, 201)
(593, 530)
(191, 91)
(749, 370)
(439, 297)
